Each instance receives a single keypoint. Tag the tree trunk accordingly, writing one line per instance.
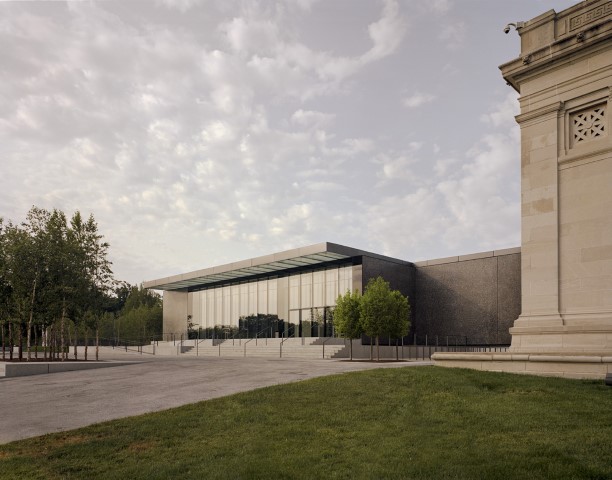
(53, 344)
(45, 342)
(20, 326)
(62, 331)
(377, 349)
(396, 351)
(86, 341)
(371, 350)
(97, 342)
(31, 320)
(36, 343)
(54, 353)
(76, 342)
(11, 342)
(69, 344)
(3, 343)
(351, 349)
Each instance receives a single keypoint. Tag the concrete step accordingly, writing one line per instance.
(308, 347)
(252, 350)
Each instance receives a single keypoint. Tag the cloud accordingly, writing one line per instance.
(440, 6)
(400, 166)
(503, 113)
(453, 35)
(180, 5)
(309, 118)
(442, 166)
(404, 224)
(199, 133)
(386, 33)
(304, 4)
(252, 35)
(472, 202)
(418, 99)
(275, 57)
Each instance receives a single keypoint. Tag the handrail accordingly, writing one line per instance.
(127, 345)
(263, 330)
(283, 340)
(245, 344)
(233, 337)
(198, 341)
(324, 342)
(255, 338)
(219, 340)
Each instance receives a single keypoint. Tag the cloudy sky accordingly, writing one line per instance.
(200, 133)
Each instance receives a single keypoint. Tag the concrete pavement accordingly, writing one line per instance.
(56, 402)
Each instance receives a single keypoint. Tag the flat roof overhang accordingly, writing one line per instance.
(311, 256)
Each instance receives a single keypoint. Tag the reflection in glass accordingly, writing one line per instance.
(243, 308)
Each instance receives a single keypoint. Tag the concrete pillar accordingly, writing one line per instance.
(175, 313)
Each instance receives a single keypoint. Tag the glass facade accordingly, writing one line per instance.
(306, 312)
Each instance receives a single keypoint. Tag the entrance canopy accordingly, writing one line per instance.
(311, 256)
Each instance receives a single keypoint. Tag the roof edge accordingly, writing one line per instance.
(314, 249)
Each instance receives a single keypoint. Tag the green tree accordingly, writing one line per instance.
(37, 259)
(399, 318)
(24, 270)
(141, 317)
(383, 311)
(97, 282)
(54, 275)
(5, 289)
(347, 317)
(64, 263)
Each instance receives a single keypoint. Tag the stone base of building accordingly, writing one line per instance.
(581, 335)
(570, 365)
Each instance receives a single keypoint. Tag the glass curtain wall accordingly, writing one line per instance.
(252, 308)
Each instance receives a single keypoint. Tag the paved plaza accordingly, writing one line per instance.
(41, 404)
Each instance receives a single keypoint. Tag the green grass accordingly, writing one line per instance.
(379, 424)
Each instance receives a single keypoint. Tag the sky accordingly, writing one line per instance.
(199, 133)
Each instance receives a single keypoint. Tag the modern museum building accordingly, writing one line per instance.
(293, 293)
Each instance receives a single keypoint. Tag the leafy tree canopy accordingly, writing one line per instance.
(347, 315)
(384, 311)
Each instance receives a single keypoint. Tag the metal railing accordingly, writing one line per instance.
(257, 335)
(284, 339)
(324, 342)
(417, 348)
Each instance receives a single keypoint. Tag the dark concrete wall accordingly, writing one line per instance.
(401, 276)
(476, 296)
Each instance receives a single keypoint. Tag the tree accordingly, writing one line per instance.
(5, 289)
(24, 267)
(399, 318)
(383, 311)
(141, 317)
(98, 282)
(347, 317)
(37, 262)
(53, 273)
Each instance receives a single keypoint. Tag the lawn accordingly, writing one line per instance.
(381, 424)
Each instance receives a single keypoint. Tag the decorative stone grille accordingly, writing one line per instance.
(589, 124)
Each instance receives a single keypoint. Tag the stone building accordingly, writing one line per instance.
(564, 78)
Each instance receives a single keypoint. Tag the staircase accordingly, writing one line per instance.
(311, 347)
